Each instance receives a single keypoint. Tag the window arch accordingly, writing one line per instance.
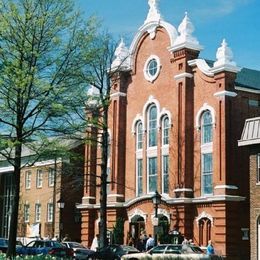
(165, 130)
(204, 231)
(139, 135)
(152, 126)
(206, 127)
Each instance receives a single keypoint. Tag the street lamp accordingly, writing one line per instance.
(61, 205)
(156, 201)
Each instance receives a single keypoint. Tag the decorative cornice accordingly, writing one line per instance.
(118, 94)
(225, 93)
(183, 75)
(202, 66)
(228, 187)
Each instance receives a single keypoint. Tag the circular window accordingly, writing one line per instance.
(152, 68)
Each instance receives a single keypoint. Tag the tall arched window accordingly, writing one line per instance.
(206, 127)
(165, 130)
(152, 125)
(206, 153)
(139, 136)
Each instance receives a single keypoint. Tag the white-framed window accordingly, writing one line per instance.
(152, 126)
(258, 168)
(152, 68)
(37, 212)
(26, 213)
(49, 212)
(39, 178)
(165, 176)
(28, 179)
(139, 135)
(152, 174)
(139, 177)
(165, 130)
(207, 174)
(51, 177)
(206, 127)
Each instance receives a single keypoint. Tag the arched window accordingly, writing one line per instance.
(139, 136)
(152, 125)
(206, 127)
(204, 231)
(165, 130)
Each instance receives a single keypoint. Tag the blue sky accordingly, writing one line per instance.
(238, 21)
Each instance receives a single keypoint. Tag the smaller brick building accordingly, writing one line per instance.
(42, 185)
(251, 139)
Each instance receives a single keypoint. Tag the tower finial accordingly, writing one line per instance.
(154, 14)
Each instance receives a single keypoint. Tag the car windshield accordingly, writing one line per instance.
(157, 250)
(196, 249)
(173, 249)
(75, 245)
(128, 249)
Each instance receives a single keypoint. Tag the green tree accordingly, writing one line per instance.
(40, 71)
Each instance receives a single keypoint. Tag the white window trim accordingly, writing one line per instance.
(49, 217)
(162, 132)
(148, 128)
(28, 179)
(137, 178)
(51, 172)
(37, 206)
(148, 175)
(38, 183)
(147, 76)
(137, 135)
(201, 111)
(162, 166)
(202, 187)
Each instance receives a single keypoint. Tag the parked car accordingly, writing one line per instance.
(114, 252)
(172, 251)
(46, 247)
(80, 252)
(4, 244)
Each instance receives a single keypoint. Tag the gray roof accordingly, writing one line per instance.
(246, 78)
(251, 132)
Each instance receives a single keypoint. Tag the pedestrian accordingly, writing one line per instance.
(131, 241)
(95, 243)
(149, 243)
(210, 248)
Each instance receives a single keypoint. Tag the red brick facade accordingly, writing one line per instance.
(183, 91)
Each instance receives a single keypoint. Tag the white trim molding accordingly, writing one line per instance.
(183, 75)
(202, 215)
(228, 187)
(147, 76)
(136, 212)
(162, 212)
(225, 93)
(118, 94)
(199, 113)
(137, 118)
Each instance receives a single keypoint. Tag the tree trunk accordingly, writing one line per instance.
(103, 192)
(11, 251)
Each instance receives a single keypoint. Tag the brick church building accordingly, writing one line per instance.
(174, 122)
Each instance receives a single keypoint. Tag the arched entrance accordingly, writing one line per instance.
(163, 229)
(136, 226)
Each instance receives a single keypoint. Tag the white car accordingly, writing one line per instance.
(172, 251)
(80, 252)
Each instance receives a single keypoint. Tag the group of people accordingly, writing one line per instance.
(143, 243)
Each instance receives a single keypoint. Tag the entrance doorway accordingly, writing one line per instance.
(136, 226)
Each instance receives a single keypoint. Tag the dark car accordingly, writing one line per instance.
(113, 252)
(80, 252)
(46, 247)
(4, 244)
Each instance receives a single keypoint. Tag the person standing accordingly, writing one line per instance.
(149, 243)
(210, 248)
(95, 243)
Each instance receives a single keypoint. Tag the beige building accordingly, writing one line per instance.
(43, 185)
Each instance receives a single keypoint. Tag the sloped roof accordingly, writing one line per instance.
(251, 132)
(246, 78)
